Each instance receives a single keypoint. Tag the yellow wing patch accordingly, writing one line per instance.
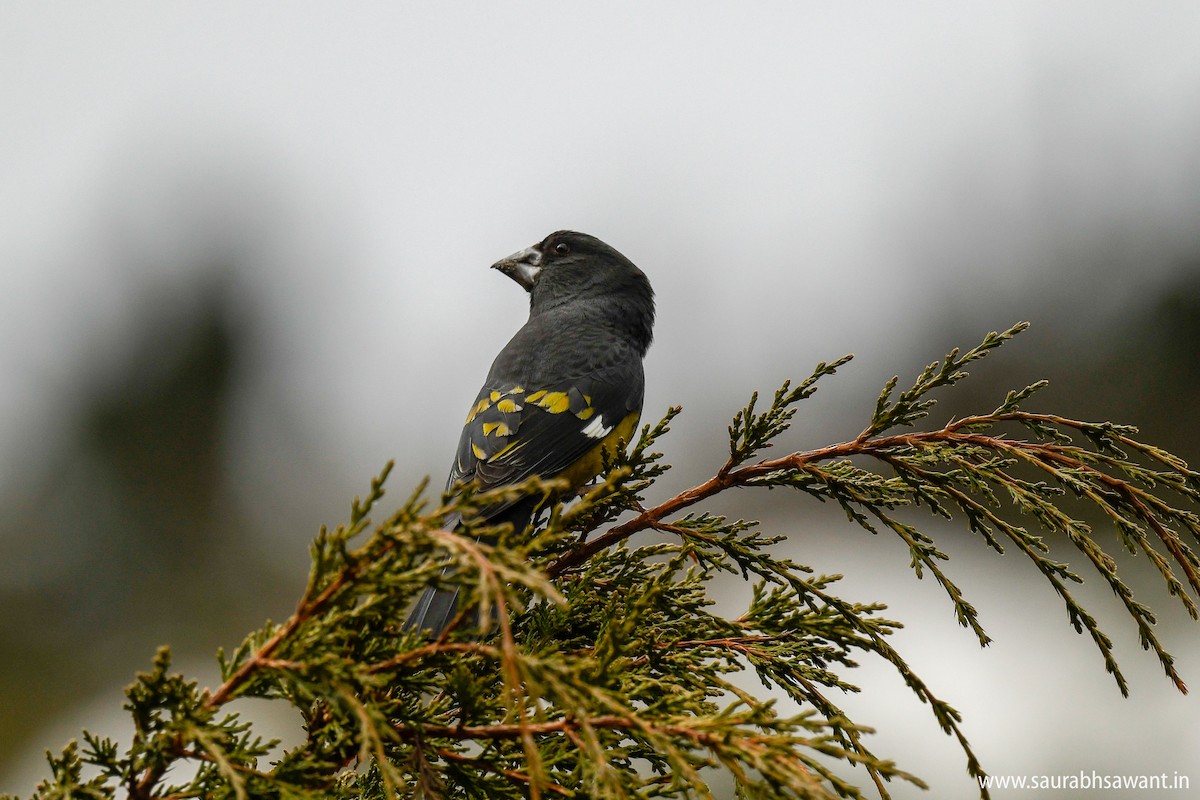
(507, 402)
(497, 428)
(478, 409)
(554, 402)
(501, 399)
(508, 449)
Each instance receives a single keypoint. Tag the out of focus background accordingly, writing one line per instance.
(243, 260)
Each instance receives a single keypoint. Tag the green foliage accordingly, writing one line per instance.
(596, 666)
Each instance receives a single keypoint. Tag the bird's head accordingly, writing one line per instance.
(567, 264)
(572, 267)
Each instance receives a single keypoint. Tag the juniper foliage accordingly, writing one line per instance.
(596, 665)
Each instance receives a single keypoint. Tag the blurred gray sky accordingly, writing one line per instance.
(799, 180)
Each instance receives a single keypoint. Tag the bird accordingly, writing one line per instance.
(568, 386)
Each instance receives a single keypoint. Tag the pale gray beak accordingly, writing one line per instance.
(522, 267)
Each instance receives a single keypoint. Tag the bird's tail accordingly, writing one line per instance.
(434, 610)
(438, 605)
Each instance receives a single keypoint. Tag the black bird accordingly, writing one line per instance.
(567, 385)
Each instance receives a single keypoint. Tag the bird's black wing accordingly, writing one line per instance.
(514, 432)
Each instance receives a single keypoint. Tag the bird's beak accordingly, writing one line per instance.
(522, 267)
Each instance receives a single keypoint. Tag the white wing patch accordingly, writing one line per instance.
(596, 429)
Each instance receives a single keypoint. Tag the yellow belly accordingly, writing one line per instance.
(590, 465)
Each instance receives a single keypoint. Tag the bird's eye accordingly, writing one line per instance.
(562, 248)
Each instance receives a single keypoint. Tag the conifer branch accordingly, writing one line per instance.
(581, 665)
